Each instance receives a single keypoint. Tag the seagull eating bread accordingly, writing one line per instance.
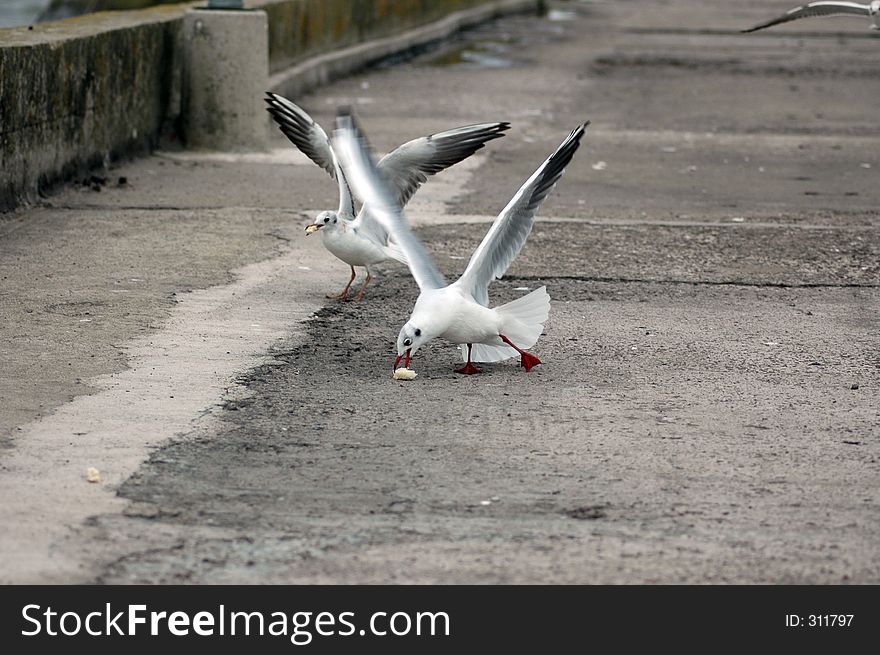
(360, 240)
(460, 312)
(826, 8)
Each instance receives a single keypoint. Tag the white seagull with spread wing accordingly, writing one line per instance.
(361, 240)
(826, 8)
(460, 312)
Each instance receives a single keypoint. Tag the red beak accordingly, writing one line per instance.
(399, 357)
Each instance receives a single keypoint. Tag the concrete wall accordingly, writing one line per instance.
(301, 28)
(78, 93)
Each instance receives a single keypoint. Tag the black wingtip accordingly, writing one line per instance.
(555, 165)
(559, 159)
(274, 107)
(578, 132)
(272, 99)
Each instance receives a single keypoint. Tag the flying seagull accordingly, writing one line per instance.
(824, 8)
(460, 312)
(359, 240)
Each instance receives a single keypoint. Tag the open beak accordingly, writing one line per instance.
(399, 357)
(312, 228)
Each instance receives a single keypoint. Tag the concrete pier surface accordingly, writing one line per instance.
(708, 407)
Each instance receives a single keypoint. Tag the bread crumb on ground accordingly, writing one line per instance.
(92, 474)
(404, 374)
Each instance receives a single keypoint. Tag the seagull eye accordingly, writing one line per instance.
(418, 332)
(407, 342)
(327, 219)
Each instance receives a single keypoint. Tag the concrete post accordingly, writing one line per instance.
(226, 72)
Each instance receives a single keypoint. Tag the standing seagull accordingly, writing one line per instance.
(361, 240)
(826, 9)
(460, 312)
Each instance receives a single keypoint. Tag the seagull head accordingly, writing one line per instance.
(409, 340)
(322, 220)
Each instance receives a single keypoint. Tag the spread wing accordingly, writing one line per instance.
(408, 167)
(514, 224)
(373, 190)
(312, 141)
(816, 9)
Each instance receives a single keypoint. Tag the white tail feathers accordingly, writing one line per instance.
(483, 353)
(522, 321)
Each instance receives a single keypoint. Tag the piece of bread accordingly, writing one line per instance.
(404, 374)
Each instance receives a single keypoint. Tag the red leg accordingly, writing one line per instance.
(341, 296)
(527, 361)
(469, 368)
(360, 293)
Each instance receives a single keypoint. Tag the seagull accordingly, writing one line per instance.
(826, 9)
(359, 240)
(460, 312)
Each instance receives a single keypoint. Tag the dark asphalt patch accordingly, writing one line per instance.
(331, 471)
(737, 254)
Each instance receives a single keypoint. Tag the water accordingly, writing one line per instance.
(485, 53)
(15, 13)
(497, 44)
